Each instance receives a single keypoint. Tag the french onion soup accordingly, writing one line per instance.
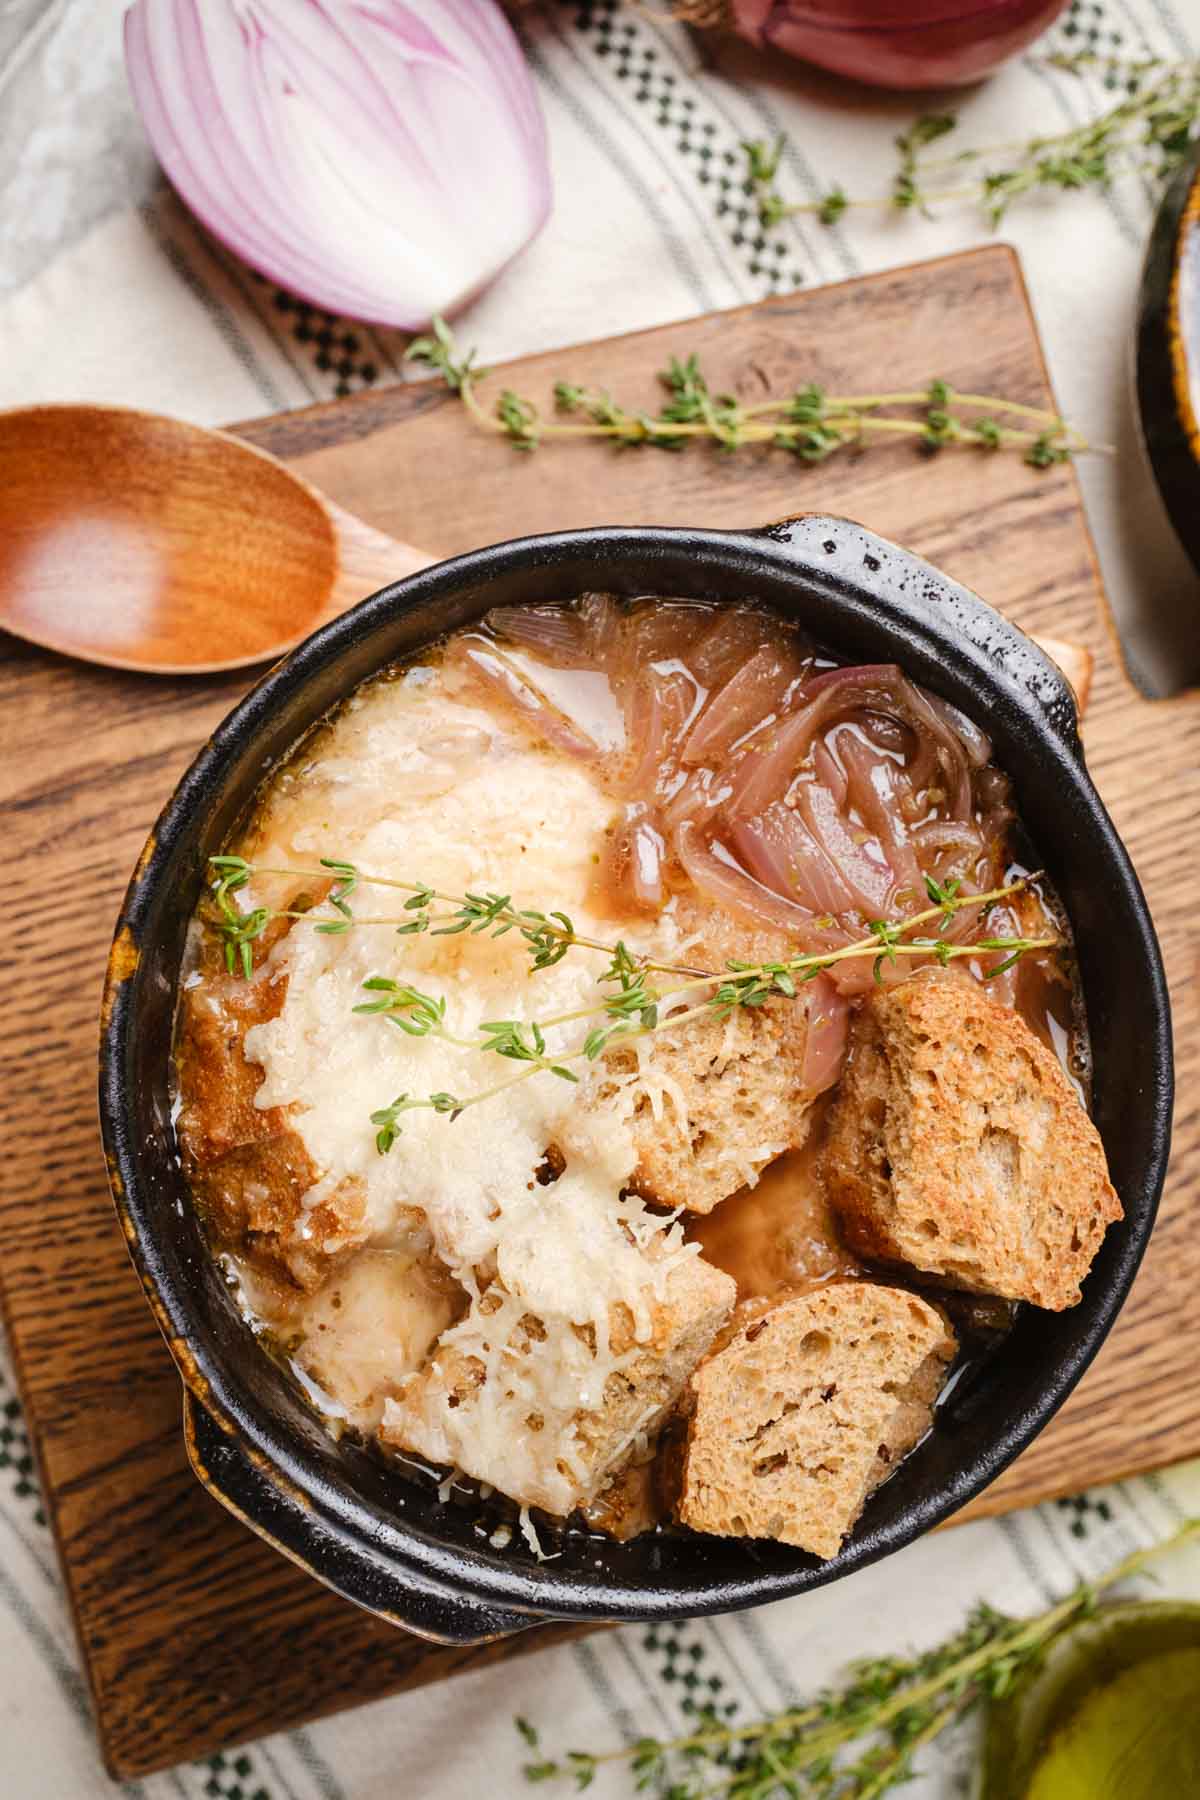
(624, 1058)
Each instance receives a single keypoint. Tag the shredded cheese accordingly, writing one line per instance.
(415, 786)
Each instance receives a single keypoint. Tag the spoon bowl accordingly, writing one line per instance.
(142, 542)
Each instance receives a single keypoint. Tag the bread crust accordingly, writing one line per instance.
(248, 1168)
(808, 1408)
(957, 1147)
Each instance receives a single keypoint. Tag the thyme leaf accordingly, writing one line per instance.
(548, 936)
(807, 423)
(1149, 132)
(630, 1007)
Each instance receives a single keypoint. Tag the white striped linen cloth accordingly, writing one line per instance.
(108, 292)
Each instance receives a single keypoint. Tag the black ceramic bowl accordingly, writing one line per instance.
(1168, 352)
(380, 1538)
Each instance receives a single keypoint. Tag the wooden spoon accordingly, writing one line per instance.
(144, 543)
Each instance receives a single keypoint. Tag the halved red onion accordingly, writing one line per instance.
(382, 160)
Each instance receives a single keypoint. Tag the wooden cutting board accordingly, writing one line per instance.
(194, 1633)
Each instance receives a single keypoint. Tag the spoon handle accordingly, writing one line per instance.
(366, 560)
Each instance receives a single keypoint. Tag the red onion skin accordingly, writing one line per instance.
(746, 699)
(898, 43)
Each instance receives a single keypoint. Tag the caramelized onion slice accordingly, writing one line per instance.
(661, 706)
(635, 860)
(779, 850)
(734, 638)
(714, 873)
(884, 688)
(869, 882)
(828, 1028)
(481, 663)
(655, 629)
(555, 633)
(746, 700)
(878, 792)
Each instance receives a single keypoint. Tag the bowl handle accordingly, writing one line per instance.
(291, 1524)
(840, 554)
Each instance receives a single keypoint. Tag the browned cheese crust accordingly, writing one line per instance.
(807, 1409)
(958, 1147)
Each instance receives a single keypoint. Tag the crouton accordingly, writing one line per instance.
(374, 1323)
(520, 1426)
(730, 1100)
(713, 1104)
(249, 1169)
(219, 1114)
(958, 1147)
(807, 1409)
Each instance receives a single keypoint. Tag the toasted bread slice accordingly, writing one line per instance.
(957, 1146)
(248, 1167)
(374, 1323)
(716, 1103)
(807, 1409)
(518, 1429)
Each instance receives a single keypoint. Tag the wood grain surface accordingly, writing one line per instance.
(194, 1633)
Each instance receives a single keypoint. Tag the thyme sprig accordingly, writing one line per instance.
(632, 1008)
(1148, 132)
(808, 422)
(856, 1741)
(548, 936)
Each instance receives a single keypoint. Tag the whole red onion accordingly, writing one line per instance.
(891, 43)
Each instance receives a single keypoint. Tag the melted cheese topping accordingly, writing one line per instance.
(414, 786)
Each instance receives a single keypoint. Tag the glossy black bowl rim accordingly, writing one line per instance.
(542, 1591)
(1165, 356)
